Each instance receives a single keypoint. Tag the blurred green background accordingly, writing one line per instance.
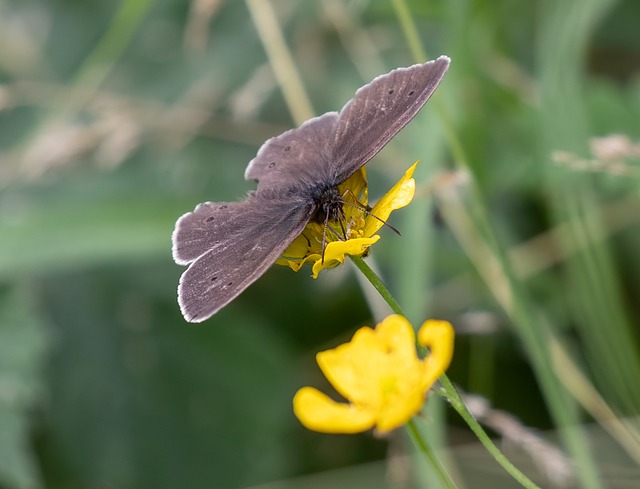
(118, 117)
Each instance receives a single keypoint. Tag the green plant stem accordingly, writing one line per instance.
(371, 276)
(450, 393)
(420, 55)
(453, 396)
(410, 30)
(281, 60)
(419, 440)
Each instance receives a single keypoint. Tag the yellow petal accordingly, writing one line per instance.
(404, 392)
(375, 364)
(399, 196)
(308, 242)
(297, 250)
(438, 336)
(318, 412)
(353, 368)
(398, 410)
(398, 337)
(335, 252)
(295, 265)
(355, 185)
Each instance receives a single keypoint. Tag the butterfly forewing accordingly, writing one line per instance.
(249, 238)
(297, 156)
(379, 110)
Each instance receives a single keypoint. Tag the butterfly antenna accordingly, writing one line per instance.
(342, 228)
(367, 210)
(324, 235)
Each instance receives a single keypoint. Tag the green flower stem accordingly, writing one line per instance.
(444, 476)
(450, 393)
(377, 283)
(453, 396)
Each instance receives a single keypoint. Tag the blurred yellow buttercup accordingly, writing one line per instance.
(380, 375)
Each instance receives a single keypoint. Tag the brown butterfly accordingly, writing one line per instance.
(229, 245)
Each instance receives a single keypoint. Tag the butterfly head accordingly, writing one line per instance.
(328, 205)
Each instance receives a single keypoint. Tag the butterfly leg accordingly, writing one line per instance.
(367, 210)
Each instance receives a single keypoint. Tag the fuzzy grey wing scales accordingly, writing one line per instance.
(197, 232)
(248, 239)
(379, 110)
(297, 155)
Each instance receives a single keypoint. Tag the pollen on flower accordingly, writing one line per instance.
(355, 229)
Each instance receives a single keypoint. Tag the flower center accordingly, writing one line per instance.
(388, 385)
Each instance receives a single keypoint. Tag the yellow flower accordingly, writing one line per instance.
(360, 226)
(380, 375)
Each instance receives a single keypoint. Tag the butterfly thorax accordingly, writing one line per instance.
(328, 204)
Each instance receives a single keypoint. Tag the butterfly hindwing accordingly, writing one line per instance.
(197, 232)
(244, 242)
